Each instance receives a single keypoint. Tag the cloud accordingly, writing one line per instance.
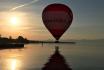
(26, 4)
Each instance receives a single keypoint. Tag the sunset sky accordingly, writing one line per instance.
(23, 17)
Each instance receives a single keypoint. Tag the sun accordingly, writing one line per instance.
(14, 20)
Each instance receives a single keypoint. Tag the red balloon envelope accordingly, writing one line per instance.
(57, 18)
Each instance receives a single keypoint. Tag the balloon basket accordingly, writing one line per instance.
(56, 41)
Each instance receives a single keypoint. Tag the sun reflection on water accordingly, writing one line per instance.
(14, 64)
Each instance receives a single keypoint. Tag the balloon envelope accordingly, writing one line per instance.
(57, 18)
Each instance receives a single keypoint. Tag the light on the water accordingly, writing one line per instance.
(14, 64)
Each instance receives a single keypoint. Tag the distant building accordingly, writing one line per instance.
(56, 62)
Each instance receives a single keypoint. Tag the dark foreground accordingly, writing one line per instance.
(11, 46)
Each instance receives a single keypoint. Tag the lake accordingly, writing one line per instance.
(80, 56)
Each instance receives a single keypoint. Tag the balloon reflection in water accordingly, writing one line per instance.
(56, 62)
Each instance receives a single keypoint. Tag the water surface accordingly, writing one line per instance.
(34, 56)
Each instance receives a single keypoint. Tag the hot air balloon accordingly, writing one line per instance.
(57, 18)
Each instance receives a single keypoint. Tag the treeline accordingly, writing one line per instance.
(19, 39)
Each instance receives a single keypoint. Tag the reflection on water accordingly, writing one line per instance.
(10, 62)
(34, 56)
(56, 62)
(13, 64)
